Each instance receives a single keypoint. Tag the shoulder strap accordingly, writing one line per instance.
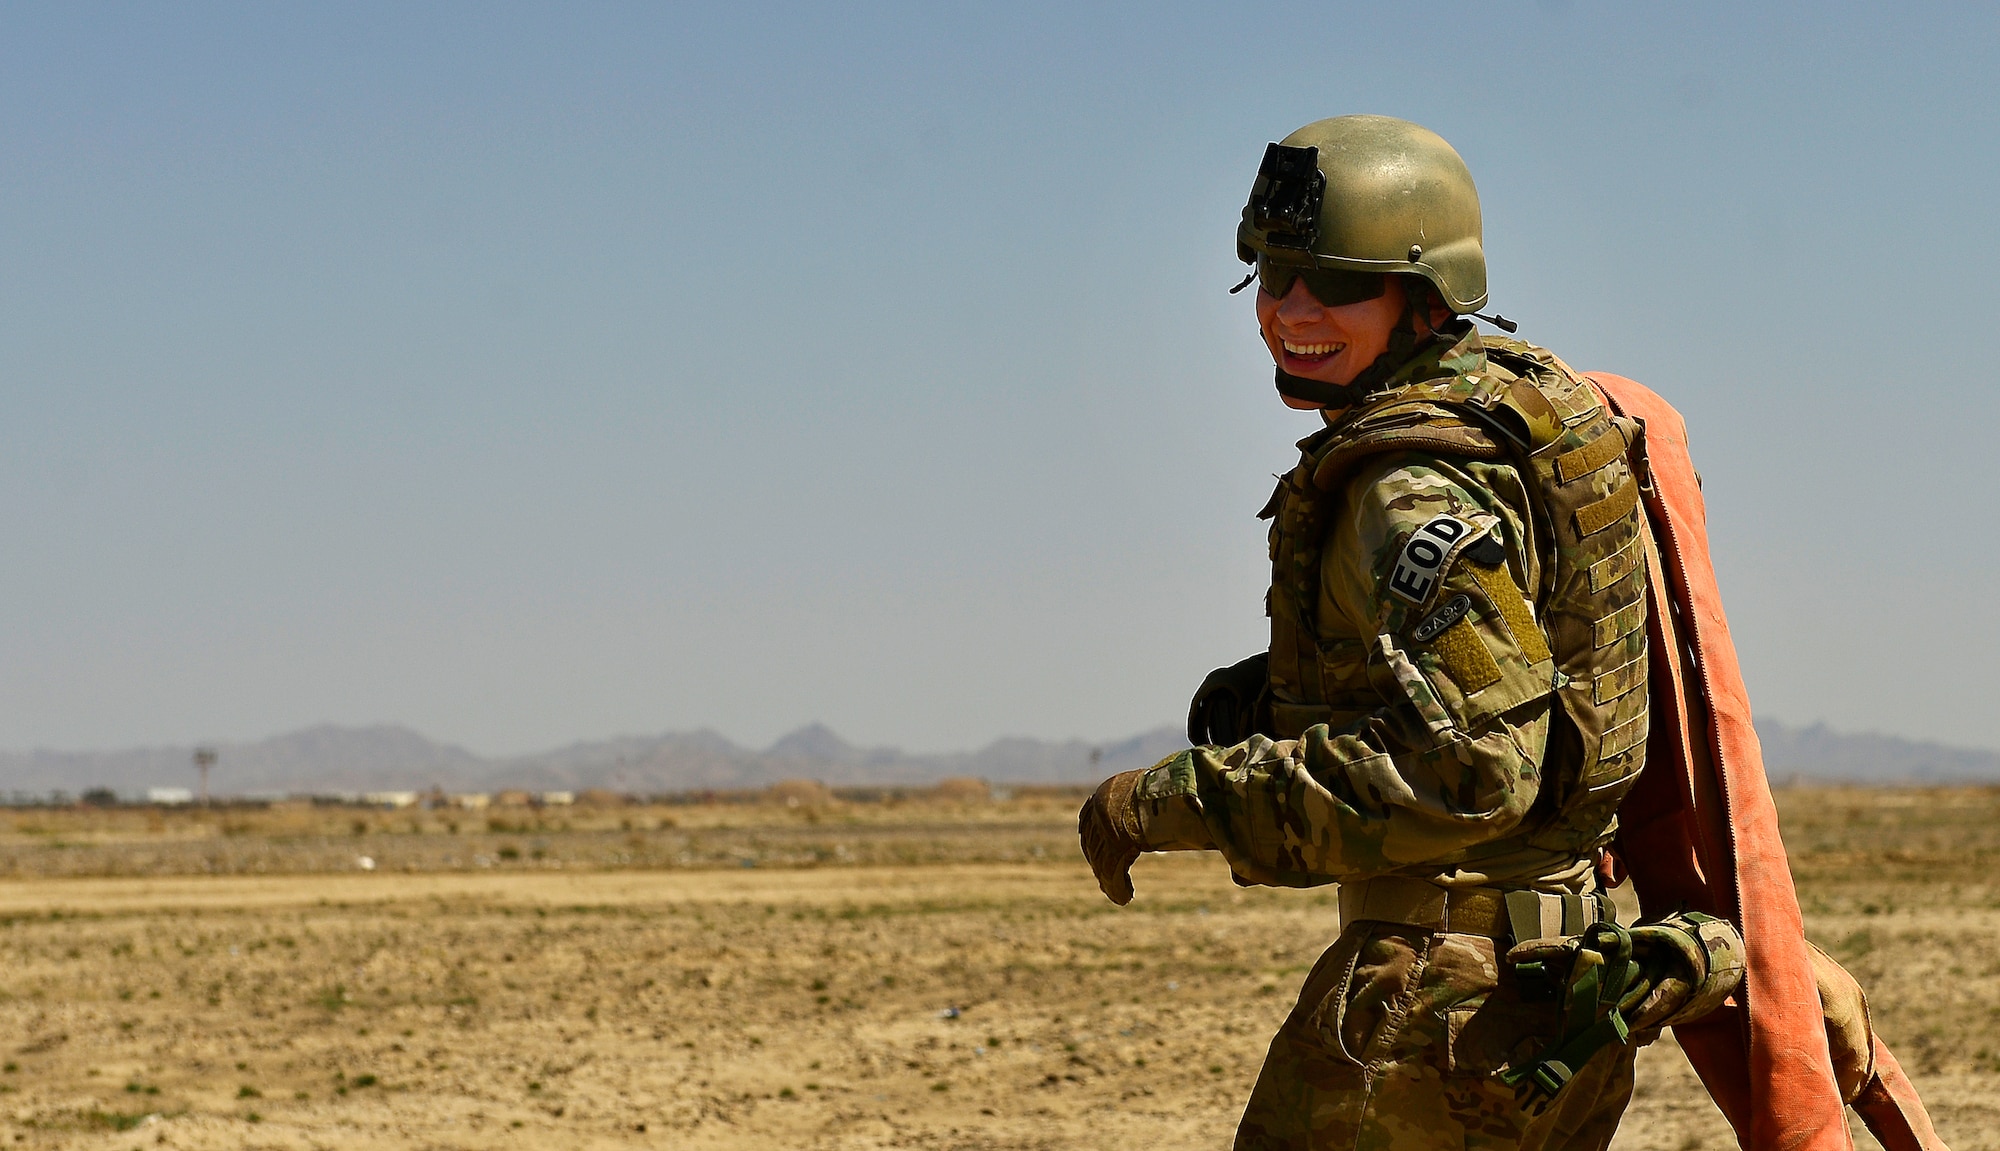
(1424, 425)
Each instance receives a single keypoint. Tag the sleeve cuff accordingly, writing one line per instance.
(1170, 815)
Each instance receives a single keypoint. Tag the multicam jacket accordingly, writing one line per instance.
(1458, 651)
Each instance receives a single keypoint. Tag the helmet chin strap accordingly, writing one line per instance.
(1403, 344)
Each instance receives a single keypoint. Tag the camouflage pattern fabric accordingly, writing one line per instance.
(1457, 687)
(1457, 695)
(1692, 962)
(1396, 1044)
(1421, 778)
(1437, 600)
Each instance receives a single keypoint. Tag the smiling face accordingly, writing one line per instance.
(1333, 345)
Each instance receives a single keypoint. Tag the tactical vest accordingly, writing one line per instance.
(1526, 407)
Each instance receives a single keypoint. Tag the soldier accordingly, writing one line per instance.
(1455, 697)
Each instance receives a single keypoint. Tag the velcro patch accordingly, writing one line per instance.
(1513, 607)
(1594, 518)
(1463, 656)
(1582, 461)
(1422, 562)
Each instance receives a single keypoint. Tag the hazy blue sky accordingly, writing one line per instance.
(526, 373)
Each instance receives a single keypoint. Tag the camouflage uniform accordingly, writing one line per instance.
(1457, 695)
(1395, 1045)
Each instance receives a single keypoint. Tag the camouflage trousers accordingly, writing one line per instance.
(1397, 1043)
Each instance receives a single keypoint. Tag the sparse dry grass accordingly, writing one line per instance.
(608, 986)
(300, 838)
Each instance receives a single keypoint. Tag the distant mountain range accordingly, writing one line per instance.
(332, 759)
(1820, 754)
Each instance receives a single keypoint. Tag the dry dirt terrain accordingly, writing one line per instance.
(924, 974)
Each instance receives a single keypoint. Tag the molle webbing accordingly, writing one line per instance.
(1617, 565)
(1622, 738)
(1612, 684)
(1592, 609)
(1590, 457)
(1595, 517)
(1519, 915)
(1619, 624)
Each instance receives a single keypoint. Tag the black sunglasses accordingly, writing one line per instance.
(1330, 286)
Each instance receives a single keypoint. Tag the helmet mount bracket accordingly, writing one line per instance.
(1285, 200)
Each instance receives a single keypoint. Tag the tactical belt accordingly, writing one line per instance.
(1488, 911)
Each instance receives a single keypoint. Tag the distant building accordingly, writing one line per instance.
(390, 798)
(472, 800)
(169, 796)
(558, 798)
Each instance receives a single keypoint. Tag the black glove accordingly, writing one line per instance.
(1232, 703)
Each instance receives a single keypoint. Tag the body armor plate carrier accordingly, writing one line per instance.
(1526, 407)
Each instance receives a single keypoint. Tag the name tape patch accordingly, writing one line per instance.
(1454, 609)
(1418, 568)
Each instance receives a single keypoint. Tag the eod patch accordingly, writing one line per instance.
(1422, 561)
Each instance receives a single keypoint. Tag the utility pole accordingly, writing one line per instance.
(204, 758)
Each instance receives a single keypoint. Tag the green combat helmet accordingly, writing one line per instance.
(1366, 194)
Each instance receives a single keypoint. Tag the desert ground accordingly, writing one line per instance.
(925, 971)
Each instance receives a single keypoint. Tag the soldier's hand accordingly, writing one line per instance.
(1668, 980)
(1225, 710)
(1108, 826)
(1692, 963)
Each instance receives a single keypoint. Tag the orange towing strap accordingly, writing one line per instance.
(1700, 830)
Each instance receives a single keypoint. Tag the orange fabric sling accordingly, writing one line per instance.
(1700, 829)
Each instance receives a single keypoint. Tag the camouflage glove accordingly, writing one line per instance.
(1228, 706)
(1850, 1038)
(1139, 811)
(1689, 963)
(1108, 825)
(1593, 976)
(1613, 982)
